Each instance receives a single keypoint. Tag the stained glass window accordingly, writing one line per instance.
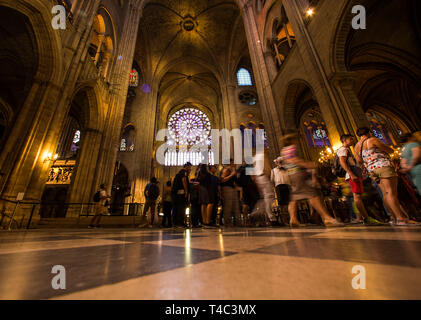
(189, 126)
(252, 126)
(244, 77)
(76, 140)
(315, 130)
(123, 145)
(384, 128)
(128, 139)
(134, 78)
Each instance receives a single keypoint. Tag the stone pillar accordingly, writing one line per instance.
(229, 106)
(101, 39)
(38, 128)
(118, 93)
(352, 109)
(145, 123)
(266, 100)
(270, 62)
(84, 177)
(323, 90)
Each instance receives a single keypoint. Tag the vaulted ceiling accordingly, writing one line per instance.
(189, 49)
(209, 30)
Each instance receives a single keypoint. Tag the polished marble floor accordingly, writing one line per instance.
(272, 263)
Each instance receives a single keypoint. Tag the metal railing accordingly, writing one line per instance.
(45, 210)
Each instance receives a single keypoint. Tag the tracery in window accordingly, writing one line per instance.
(384, 128)
(315, 130)
(127, 139)
(188, 127)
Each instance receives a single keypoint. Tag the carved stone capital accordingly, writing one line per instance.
(344, 79)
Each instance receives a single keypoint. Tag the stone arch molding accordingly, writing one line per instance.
(94, 118)
(50, 66)
(290, 99)
(338, 42)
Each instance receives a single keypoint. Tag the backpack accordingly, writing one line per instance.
(178, 182)
(337, 169)
(153, 191)
(97, 196)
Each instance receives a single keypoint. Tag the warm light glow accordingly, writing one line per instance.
(336, 147)
(310, 12)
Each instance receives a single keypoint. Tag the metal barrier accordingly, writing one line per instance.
(60, 210)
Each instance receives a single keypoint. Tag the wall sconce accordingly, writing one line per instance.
(310, 12)
(49, 157)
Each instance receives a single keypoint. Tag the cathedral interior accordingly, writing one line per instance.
(82, 105)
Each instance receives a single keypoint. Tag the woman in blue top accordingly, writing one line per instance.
(411, 159)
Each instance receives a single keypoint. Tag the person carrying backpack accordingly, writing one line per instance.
(100, 198)
(151, 193)
(353, 176)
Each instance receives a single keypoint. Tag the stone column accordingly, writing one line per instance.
(101, 39)
(352, 109)
(229, 106)
(40, 122)
(266, 100)
(84, 177)
(118, 93)
(145, 122)
(329, 104)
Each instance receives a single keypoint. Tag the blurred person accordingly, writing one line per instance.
(265, 187)
(100, 198)
(231, 203)
(302, 187)
(411, 159)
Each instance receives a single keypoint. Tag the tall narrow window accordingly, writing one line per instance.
(134, 78)
(315, 130)
(283, 38)
(384, 128)
(244, 77)
(76, 140)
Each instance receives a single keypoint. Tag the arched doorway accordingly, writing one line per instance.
(17, 67)
(60, 182)
(120, 190)
(302, 113)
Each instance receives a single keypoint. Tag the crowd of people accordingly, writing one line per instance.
(380, 191)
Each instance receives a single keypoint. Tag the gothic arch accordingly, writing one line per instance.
(290, 111)
(339, 40)
(94, 117)
(50, 66)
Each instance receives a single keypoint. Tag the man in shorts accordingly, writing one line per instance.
(354, 178)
